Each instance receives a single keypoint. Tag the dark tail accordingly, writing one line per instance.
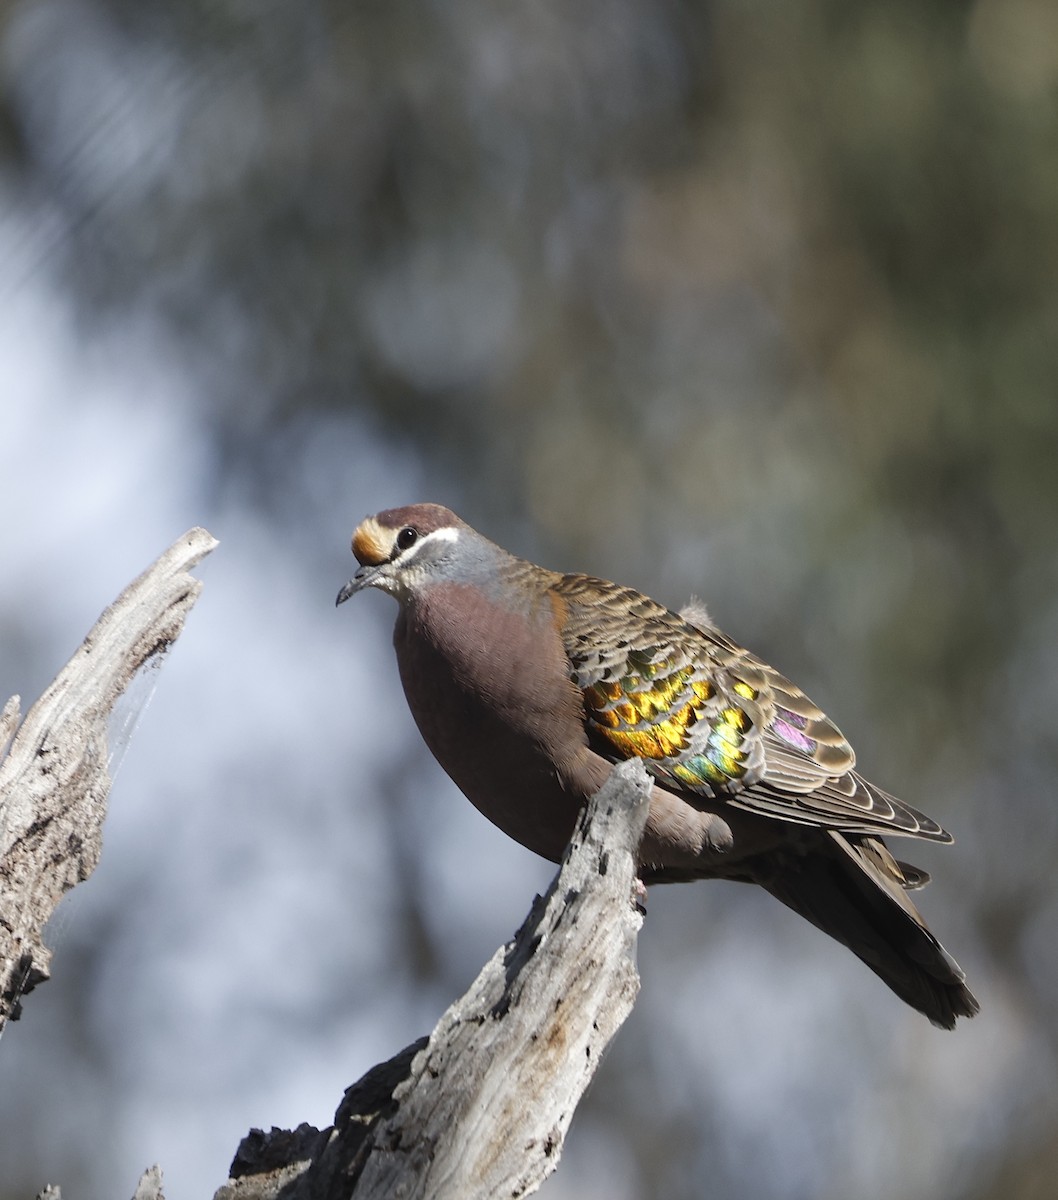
(854, 889)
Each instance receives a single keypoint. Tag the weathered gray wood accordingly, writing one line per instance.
(150, 1185)
(481, 1108)
(54, 780)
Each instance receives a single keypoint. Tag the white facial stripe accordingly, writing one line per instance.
(448, 534)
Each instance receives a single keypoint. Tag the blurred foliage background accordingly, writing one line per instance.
(757, 302)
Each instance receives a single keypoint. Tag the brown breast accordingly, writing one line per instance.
(489, 689)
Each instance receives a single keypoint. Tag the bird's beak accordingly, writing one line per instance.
(362, 579)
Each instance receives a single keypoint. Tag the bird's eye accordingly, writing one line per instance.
(407, 537)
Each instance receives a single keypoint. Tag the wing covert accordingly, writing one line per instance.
(709, 719)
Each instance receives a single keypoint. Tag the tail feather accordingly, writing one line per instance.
(853, 889)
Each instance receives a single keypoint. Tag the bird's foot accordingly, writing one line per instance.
(639, 895)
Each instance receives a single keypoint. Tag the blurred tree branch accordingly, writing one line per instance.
(481, 1107)
(54, 779)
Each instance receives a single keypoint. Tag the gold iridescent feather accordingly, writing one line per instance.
(709, 719)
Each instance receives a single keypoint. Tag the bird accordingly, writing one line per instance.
(528, 685)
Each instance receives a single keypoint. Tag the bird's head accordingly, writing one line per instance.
(405, 549)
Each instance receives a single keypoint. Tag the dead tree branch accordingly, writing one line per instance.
(54, 780)
(480, 1109)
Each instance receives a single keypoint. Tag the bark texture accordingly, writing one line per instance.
(54, 779)
(480, 1109)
